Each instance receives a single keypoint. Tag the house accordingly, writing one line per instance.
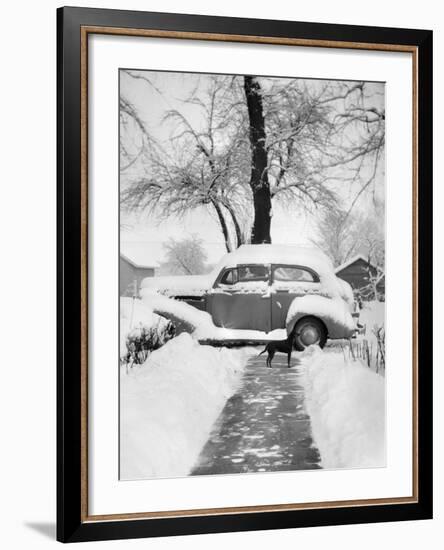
(131, 275)
(363, 276)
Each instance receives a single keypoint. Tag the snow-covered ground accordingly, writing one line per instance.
(346, 403)
(169, 404)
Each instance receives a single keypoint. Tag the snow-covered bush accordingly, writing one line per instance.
(143, 339)
(141, 330)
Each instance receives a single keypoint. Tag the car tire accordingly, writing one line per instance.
(309, 331)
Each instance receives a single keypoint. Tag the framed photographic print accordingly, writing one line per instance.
(244, 274)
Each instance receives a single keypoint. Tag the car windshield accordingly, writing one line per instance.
(247, 273)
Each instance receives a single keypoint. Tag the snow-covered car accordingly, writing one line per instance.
(266, 287)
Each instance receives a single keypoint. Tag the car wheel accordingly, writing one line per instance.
(309, 331)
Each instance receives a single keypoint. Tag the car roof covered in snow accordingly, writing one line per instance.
(277, 254)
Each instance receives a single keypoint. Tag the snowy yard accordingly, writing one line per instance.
(170, 403)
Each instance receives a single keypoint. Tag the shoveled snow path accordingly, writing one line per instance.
(264, 425)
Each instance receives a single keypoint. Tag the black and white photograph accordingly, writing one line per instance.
(252, 289)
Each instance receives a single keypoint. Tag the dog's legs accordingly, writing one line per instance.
(291, 347)
(270, 357)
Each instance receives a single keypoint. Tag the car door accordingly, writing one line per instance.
(241, 298)
(289, 282)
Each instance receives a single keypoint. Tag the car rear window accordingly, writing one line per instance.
(291, 274)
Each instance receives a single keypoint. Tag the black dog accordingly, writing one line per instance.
(283, 346)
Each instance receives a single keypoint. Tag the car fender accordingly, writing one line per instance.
(333, 312)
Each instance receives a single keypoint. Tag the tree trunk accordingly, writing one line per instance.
(223, 225)
(259, 183)
(237, 228)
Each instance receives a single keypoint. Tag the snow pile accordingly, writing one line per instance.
(169, 404)
(372, 314)
(134, 315)
(334, 312)
(346, 404)
(199, 323)
(186, 317)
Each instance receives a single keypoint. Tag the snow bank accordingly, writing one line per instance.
(133, 315)
(169, 404)
(346, 404)
(372, 313)
(187, 317)
(334, 312)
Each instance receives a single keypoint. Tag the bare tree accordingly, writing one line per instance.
(337, 235)
(203, 169)
(185, 256)
(342, 234)
(134, 136)
(375, 289)
(303, 137)
(320, 137)
(257, 142)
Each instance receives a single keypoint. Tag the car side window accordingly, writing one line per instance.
(249, 273)
(229, 277)
(290, 274)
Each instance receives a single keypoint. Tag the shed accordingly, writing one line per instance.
(360, 273)
(131, 275)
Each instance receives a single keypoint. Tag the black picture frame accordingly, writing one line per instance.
(73, 523)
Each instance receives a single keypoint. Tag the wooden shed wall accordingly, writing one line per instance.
(129, 273)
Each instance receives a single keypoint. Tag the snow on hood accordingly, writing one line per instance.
(190, 285)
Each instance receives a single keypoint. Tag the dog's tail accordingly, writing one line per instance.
(263, 351)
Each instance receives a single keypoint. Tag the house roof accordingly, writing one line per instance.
(352, 261)
(136, 264)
